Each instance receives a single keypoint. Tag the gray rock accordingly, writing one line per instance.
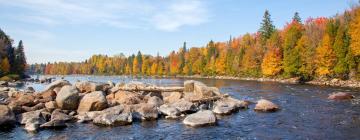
(156, 101)
(184, 106)
(68, 98)
(113, 119)
(228, 105)
(169, 111)
(87, 87)
(32, 120)
(201, 118)
(145, 112)
(59, 115)
(54, 124)
(50, 106)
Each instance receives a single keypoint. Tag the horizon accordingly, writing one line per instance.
(50, 29)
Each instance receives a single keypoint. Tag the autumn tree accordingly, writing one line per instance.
(325, 58)
(272, 62)
(267, 27)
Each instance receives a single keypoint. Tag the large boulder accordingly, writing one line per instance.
(340, 96)
(46, 96)
(89, 116)
(23, 99)
(57, 83)
(266, 106)
(7, 117)
(68, 98)
(169, 111)
(195, 90)
(94, 101)
(32, 120)
(87, 87)
(228, 105)
(201, 118)
(144, 112)
(111, 119)
(184, 106)
(126, 97)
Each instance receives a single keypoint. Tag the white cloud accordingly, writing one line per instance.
(162, 15)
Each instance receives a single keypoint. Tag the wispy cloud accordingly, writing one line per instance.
(162, 15)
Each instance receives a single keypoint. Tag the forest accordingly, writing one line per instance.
(322, 47)
(12, 59)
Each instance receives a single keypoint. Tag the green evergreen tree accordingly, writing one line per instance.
(267, 27)
(297, 17)
(20, 59)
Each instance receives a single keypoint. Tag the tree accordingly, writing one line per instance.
(20, 59)
(341, 44)
(136, 69)
(292, 34)
(272, 62)
(5, 66)
(325, 58)
(297, 17)
(267, 27)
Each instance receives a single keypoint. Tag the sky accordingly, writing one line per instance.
(74, 30)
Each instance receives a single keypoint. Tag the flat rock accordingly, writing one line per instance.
(184, 106)
(169, 111)
(113, 119)
(7, 117)
(228, 105)
(57, 83)
(201, 118)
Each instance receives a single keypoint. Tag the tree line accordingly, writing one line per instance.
(12, 59)
(315, 48)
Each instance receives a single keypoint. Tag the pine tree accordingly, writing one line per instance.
(267, 27)
(297, 17)
(20, 59)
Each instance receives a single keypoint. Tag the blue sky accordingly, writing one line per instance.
(73, 30)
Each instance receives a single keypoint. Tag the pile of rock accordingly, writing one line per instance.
(110, 104)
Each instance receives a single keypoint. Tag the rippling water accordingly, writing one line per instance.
(306, 114)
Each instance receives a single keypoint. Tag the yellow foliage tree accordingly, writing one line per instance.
(355, 33)
(325, 57)
(221, 64)
(154, 68)
(272, 62)
(136, 67)
(5, 66)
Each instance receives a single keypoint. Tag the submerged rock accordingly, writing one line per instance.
(54, 124)
(68, 98)
(94, 101)
(266, 106)
(340, 96)
(201, 118)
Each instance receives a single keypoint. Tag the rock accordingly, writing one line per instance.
(58, 115)
(201, 118)
(46, 96)
(7, 117)
(145, 112)
(173, 97)
(87, 87)
(50, 106)
(113, 119)
(24, 100)
(111, 84)
(32, 120)
(57, 83)
(266, 106)
(3, 89)
(68, 98)
(88, 116)
(54, 124)
(94, 101)
(156, 101)
(36, 107)
(13, 92)
(201, 90)
(189, 86)
(184, 106)
(57, 90)
(125, 97)
(29, 90)
(4, 83)
(228, 105)
(340, 96)
(169, 111)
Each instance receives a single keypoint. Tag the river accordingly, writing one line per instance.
(306, 114)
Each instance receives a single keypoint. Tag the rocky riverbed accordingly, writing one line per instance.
(117, 104)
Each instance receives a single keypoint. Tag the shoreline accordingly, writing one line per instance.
(332, 83)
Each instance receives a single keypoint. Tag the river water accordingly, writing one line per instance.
(306, 114)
